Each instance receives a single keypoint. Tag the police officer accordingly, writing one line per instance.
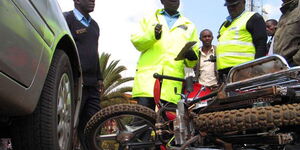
(85, 32)
(242, 37)
(160, 38)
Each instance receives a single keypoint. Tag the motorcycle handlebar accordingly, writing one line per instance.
(158, 76)
(188, 82)
(212, 94)
(188, 85)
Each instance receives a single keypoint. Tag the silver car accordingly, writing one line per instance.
(40, 76)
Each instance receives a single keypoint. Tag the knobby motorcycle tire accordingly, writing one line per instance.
(251, 118)
(113, 111)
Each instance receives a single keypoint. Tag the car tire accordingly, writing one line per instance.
(50, 126)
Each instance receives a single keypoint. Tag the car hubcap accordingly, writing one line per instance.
(64, 112)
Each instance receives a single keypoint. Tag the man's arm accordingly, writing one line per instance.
(220, 29)
(99, 77)
(99, 72)
(144, 37)
(257, 27)
(195, 49)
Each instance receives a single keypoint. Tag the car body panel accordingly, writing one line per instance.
(21, 46)
(34, 29)
(36, 19)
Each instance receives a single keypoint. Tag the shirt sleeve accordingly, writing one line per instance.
(257, 27)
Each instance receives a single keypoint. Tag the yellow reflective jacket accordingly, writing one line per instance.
(235, 44)
(157, 56)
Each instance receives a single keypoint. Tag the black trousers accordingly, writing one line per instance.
(146, 101)
(150, 103)
(91, 105)
(223, 73)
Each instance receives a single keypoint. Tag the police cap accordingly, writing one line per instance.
(231, 2)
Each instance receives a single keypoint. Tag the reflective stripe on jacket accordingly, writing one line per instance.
(235, 43)
(157, 56)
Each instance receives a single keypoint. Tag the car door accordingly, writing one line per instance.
(22, 32)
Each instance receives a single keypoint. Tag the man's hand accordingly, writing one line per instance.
(190, 55)
(158, 31)
(101, 86)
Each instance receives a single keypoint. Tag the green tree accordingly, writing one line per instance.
(114, 92)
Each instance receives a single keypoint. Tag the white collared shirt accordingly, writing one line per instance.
(207, 69)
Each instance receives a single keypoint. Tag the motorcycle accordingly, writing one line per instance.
(258, 107)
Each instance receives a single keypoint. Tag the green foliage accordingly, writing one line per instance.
(114, 92)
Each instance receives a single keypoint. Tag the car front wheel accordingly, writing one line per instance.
(51, 124)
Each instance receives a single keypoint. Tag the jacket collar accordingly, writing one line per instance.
(289, 6)
(181, 18)
(163, 12)
(229, 18)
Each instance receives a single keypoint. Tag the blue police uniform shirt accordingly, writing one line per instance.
(170, 19)
(229, 18)
(80, 17)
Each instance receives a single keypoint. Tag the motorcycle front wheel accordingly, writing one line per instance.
(122, 127)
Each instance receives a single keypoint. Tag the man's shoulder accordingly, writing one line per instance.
(188, 22)
(214, 47)
(150, 16)
(95, 23)
(67, 14)
(185, 19)
(255, 19)
(153, 14)
(256, 16)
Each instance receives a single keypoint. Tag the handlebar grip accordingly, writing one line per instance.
(158, 76)
(189, 84)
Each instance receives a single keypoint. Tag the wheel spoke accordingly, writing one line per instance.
(106, 137)
(123, 131)
(140, 129)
